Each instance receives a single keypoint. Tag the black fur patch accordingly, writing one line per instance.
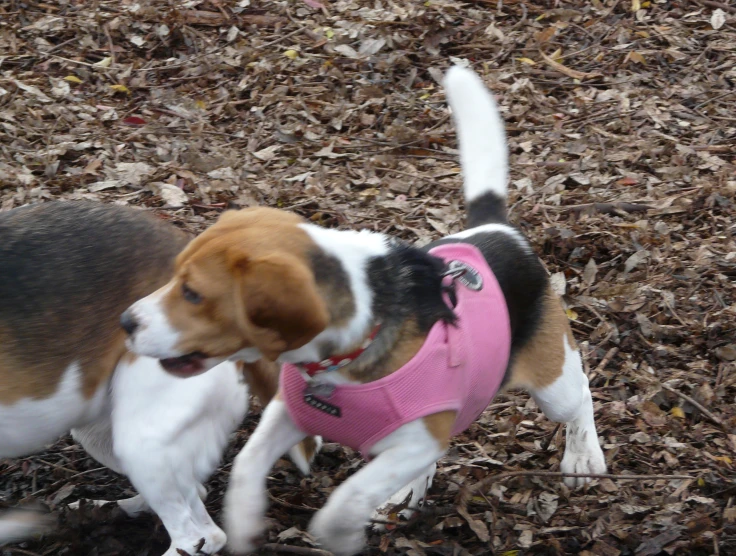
(407, 283)
(331, 277)
(487, 209)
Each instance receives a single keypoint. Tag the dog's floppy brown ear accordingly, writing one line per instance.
(281, 308)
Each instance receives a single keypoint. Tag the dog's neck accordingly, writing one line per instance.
(390, 284)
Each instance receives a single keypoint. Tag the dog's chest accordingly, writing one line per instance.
(29, 423)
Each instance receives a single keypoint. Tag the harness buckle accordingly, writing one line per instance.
(321, 389)
(465, 274)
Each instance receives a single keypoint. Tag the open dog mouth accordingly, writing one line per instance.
(186, 365)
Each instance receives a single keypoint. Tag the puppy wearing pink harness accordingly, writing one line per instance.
(437, 323)
(460, 367)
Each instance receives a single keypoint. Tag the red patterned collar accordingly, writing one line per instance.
(338, 361)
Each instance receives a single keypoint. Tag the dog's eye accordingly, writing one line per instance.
(190, 295)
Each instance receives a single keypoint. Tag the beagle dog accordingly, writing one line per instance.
(67, 272)
(389, 348)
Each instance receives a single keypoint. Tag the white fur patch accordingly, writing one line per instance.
(169, 435)
(481, 134)
(154, 336)
(400, 458)
(354, 250)
(28, 425)
(494, 228)
(248, 355)
(246, 499)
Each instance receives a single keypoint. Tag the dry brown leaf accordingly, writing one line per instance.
(564, 69)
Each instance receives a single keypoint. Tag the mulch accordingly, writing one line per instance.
(622, 135)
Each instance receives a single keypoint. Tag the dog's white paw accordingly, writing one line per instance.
(132, 507)
(244, 537)
(244, 522)
(407, 501)
(583, 454)
(214, 541)
(339, 536)
(387, 513)
(75, 506)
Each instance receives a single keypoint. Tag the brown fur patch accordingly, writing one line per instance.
(440, 425)
(252, 270)
(308, 447)
(40, 380)
(384, 357)
(539, 363)
(96, 373)
(262, 378)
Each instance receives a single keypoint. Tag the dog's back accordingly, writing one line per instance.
(67, 271)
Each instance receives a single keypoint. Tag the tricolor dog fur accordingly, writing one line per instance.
(356, 316)
(67, 272)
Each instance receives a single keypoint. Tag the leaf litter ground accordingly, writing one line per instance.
(622, 138)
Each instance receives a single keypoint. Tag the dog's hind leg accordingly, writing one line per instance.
(173, 493)
(549, 366)
(96, 439)
(568, 400)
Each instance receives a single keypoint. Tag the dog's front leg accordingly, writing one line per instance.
(246, 498)
(399, 458)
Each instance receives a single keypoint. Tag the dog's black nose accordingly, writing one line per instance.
(128, 323)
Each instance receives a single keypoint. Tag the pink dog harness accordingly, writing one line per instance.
(460, 367)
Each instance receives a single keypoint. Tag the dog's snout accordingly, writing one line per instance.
(128, 322)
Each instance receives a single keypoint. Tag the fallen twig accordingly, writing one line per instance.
(303, 550)
(565, 70)
(687, 398)
(467, 492)
(610, 354)
(291, 506)
(713, 4)
(58, 483)
(14, 550)
(604, 208)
